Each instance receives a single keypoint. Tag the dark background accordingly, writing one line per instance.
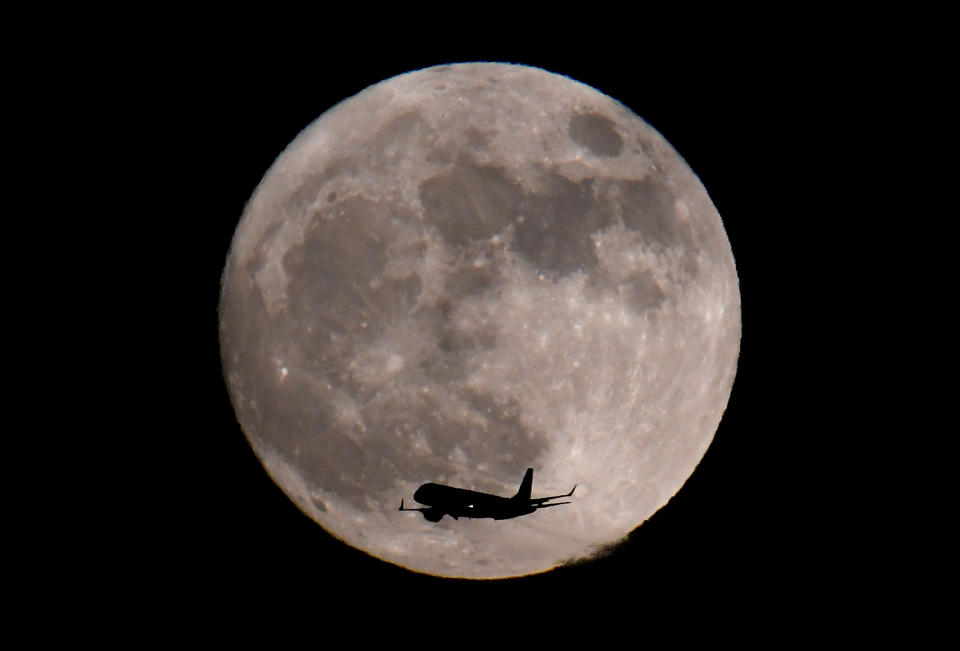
(748, 531)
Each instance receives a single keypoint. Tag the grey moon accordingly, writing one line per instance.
(465, 271)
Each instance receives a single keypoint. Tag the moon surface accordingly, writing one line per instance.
(465, 271)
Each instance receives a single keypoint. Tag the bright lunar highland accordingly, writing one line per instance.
(466, 271)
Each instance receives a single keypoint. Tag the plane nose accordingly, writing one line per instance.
(421, 493)
(424, 493)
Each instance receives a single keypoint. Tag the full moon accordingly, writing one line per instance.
(465, 271)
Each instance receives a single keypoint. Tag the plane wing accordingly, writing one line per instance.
(539, 501)
(543, 506)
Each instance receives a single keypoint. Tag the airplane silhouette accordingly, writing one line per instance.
(459, 502)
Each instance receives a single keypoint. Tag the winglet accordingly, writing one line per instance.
(568, 494)
(401, 504)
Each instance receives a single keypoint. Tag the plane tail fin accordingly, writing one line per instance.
(525, 486)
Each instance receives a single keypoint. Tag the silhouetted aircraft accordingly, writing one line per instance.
(459, 502)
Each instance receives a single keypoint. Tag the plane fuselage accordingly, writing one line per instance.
(463, 503)
(459, 503)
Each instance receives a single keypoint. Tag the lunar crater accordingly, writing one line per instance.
(597, 133)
